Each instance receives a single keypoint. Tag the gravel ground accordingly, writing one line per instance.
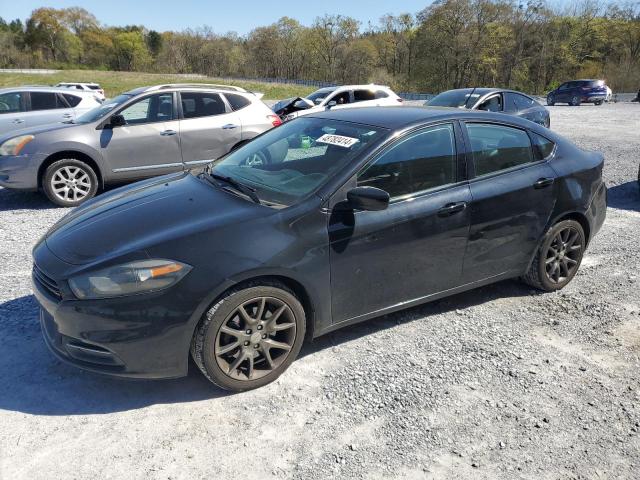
(502, 382)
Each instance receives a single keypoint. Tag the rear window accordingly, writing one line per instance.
(594, 83)
(72, 100)
(542, 145)
(237, 102)
(45, 101)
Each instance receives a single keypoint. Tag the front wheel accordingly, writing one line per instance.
(249, 337)
(599, 102)
(69, 182)
(558, 257)
(550, 100)
(575, 101)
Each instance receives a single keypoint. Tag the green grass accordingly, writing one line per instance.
(115, 83)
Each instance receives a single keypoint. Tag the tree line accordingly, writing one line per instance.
(530, 46)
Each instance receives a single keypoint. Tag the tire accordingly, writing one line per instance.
(69, 182)
(575, 101)
(224, 336)
(599, 102)
(570, 253)
(550, 100)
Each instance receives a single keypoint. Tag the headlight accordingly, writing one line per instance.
(128, 279)
(14, 145)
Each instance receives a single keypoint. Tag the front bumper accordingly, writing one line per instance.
(20, 172)
(143, 336)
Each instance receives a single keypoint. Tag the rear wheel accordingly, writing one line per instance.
(249, 337)
(599, 102)
(550, 100)
(558, 257)
(69, 182)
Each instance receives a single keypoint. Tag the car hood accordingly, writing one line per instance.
(145, 214)
(36, 130)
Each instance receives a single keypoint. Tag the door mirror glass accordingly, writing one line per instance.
(303, 104)
(117, 121)
(332, 104)
(368, 198)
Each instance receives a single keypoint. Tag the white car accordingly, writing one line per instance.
(26, 107)
(346, 96)
(87, 87)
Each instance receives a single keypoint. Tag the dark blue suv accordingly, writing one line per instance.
(579, 91)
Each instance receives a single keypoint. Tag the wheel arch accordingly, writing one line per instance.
(579, 217)
(70, 154)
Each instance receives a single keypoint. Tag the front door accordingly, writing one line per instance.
(13, 106)
(209, 128)
(149, 143)
(415, 247)
(512, 201)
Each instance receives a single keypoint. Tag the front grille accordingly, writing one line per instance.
(48, 283)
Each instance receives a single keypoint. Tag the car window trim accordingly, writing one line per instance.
(459, 146)
(536, 151)
(471, 164)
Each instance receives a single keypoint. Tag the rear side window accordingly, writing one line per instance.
(11, 102)
(497, 147)
(94, 87)
(363, 95)
(45, 101)
(72, 100)
(424, 160)
(522, 102)
(543, 146)
(237, 102)
(381, 94)
(195, 105)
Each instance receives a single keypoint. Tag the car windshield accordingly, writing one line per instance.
(454, 98)
(319, 95)
(99, 112)
(291, 161)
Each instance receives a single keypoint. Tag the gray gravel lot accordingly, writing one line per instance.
(502, 382)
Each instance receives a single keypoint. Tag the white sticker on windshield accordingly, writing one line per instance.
(337, 140)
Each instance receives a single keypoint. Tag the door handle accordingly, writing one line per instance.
(451, 209)
(18, 120)
(67, 115)
(543, 183)
(168, 133)
(229, 126)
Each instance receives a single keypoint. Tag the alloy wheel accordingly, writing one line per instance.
(563, 255)
(255, 339)
(71, 183)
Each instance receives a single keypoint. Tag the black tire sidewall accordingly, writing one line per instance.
(219, 313)
(548, 238)
(71, 162)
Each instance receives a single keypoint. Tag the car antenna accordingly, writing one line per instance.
(469, 98)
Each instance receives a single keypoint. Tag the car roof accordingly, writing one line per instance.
(486, 90)
(44, 88)
(400, 117)
(189, 86)
(78, 83)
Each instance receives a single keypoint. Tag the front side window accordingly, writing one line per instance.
(492, 104)
(11, 102)
(155, 108)
(45, 101)
(291, 161)
(497, 147)
(202, 104)
(424, 160)
(341, 98)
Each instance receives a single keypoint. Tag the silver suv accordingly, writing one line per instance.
(26, 107)
(142, 133)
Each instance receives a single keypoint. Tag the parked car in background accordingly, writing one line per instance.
(579, 91)
(145, 132)
(494, 100)
(370, 211)
(86, 87)
(26, 107)
(347, 96)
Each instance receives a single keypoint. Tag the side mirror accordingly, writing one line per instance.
(117, 121)
(332, 104)
(368, 198)
(303, 104)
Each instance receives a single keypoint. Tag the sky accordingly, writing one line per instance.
(223, 16)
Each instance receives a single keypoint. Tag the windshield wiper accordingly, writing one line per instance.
(241, 187)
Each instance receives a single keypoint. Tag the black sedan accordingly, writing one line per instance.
(494, 100)
(325, 221)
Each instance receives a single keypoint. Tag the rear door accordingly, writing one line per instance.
(47, 107)
(149, 143)
(512, 200)
(13, 106)
(415, 247)
(209, 128)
